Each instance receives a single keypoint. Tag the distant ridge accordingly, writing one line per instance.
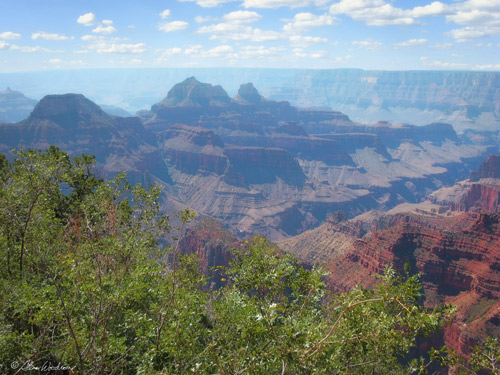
(14, 106)
(465, 99)
(256, 164)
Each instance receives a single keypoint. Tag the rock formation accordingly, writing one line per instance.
(457, 253)
(259, 166)
(14, 106)
(212, 244)
(77, 125)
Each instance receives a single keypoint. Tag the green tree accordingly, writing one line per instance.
(274, 316)
(84, 280)
(484, 359)
(88, 281)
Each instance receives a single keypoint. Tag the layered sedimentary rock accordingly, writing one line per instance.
(293, 167)
(211, 244)
(77, 125)
(458, 258)
(480, 192)
(14, 106)
(251, 162)
(464, 99)
(457, 253)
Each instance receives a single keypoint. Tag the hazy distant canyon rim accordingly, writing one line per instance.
(265, 166)
(464, 99)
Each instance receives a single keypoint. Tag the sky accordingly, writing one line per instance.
(324, 34)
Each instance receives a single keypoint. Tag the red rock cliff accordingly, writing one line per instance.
(458, 258)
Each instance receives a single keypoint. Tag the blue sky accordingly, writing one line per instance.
(368, 34)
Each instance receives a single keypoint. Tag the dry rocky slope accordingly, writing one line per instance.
(262, 166)
(257, 165)
(452, 240)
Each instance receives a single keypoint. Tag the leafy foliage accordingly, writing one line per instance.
(87, 282)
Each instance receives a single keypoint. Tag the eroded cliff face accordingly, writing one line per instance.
(490, 168)
(480, 192)
(267, 174)
(458, 258)
(456, 253)
(77, 125)
(251, 162)
(464, 99)
(211, 244)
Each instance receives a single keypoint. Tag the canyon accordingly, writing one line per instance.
(257, 165)
(349, 196)
(452, 240)
(464, 99)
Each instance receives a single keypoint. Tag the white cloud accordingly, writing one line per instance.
(372, 12)
(283, 3)
(81, 52)
(259, 35)
(224, 51)
(304, 21)
(442, 46)
(10, 35)
(193, 50)
(55, 61)
(381, 13)
(240, 17)
(4, 45)
(370, 45)
(442, 64)
(340, 59)
(107, 47)
(306, 41)
(173, 26)
(201, 19)
(411, 43)
(486, 45)
(47, 36)
(209, 3)
(475, 17)
(104, 29)
(299, 52)
(29, 49)
(169, 51)
(166, 54)
(469, 32)
(319, 54)
(87, 19)
(480, 18)
(228, 31)
(488, 67)
(436, 8)
(235, 27)
(260, 52)
(165, 14)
